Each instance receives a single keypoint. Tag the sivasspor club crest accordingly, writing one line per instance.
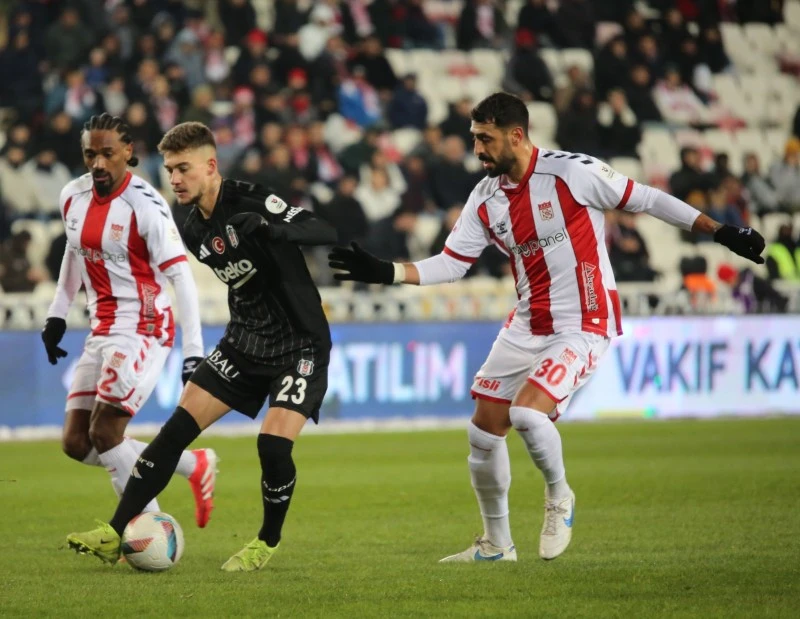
(116, 232)
(305, 367)
(116, 359)
(232, 236)
(546, 210)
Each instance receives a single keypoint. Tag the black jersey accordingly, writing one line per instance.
(275, 306)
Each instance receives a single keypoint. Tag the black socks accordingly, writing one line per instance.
(277, 484)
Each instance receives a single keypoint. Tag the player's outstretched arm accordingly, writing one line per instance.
(358, 265)
(69, 282)
(296, 225)
(180, 276)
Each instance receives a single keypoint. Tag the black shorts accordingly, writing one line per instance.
(298, 384)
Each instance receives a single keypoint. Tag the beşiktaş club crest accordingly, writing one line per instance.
(546, 210)
(305, 367)
(116, 232)
(232, 236)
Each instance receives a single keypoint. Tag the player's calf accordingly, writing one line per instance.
(278, 477)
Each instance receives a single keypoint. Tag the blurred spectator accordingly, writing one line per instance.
(114, 61)
(19, 72)
(273, 108)
(250, 169)
(647, 53)
(420, 31)
(784, 175)
(721, 210)
(627, 248)
(146, 49)
(115, 101)
(229, 149)
(140, 86)
(18, 135)
(345, 213)
(56, 255)
(763, 197)
(577, 127)
(693, 70)
(186, 51)
(289, 18)
(639, 94)
(47, 176)
(252, 53)
(358, 153)
(527, 75)
(536, 17)
(165, 108)
(677, 102)
(243, 118)
(300, 153)
(635, 27)
(124, 30)
(701, 288)
(417, 196)
(408, 107)
(480, 25)
(754, 295)
(358, 100)
(379, 72)
(575, 24)
(458, 120)
(73, 96)
(238, 18)
(394, 175)
(430, 149)
(68, 40)
(16, 191)
(269, 137)
(451, 182)
(611, 66)
(143, 127)
(721, 169)
(64, 135)
(16, 272)
(164, 26)
(280, 172)
(314, 35)
(783, 255)
(260, 80)
(690, 176)
(200, 109)
(673, 30)
(713, 51)
(760, 11)
(376, 196)
(390, 237)
(619, 131)
(217, 68)
(326, 74)
(577, 80)
(328, 170)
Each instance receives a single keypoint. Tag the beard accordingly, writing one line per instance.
(500, 166)
(103, 185)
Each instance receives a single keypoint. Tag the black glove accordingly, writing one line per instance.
(189, 366)
(745, 242)
(360, 266)
(52, 333)
(247, 224)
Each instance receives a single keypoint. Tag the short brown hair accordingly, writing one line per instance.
(186, 136)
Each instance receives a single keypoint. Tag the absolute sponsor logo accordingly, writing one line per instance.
(148, 293)
(529, 248)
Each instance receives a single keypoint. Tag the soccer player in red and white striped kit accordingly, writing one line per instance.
(545, 210)
(123, 247)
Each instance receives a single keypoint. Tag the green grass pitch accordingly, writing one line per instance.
(678, 519)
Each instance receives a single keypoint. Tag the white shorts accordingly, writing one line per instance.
(117, 369)
(558, 364)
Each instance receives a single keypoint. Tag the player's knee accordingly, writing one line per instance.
(275, 453)
(76, 446)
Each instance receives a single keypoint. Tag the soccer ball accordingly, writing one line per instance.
(152, 542)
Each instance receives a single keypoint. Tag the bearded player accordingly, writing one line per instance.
(123, 247)
(544, 210)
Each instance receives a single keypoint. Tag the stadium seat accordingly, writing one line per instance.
(770, 224)
(762, 38)
(791, 14)
(479, 87)
(552, 58)
(719, 140)
(490, 63)
(231, 54)
(398, 59)
(577, 57)
(512, 12)
(630, 167)
(40, 239)
(542, 118)
(406, 139)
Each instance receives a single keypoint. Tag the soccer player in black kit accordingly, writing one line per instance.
(276, 345)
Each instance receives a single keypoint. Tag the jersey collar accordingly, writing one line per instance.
(106, 199)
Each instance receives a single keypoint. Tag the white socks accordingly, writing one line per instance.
(119, 461)
(185, 465)
(92, 459)
(490, 470)
(544, 444)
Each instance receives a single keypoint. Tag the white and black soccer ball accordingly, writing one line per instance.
(152, 542)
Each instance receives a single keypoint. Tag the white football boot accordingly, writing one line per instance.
(483, 550)
(557, 527)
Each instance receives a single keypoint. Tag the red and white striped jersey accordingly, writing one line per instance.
(551, 225)
(122, 243)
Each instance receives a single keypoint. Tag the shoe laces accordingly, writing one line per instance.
(552, 512)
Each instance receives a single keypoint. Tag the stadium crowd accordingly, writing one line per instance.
(304, 97)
